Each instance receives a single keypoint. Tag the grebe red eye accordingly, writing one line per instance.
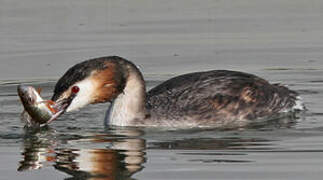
(75, 89)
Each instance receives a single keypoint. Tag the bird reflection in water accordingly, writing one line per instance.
(121, 156)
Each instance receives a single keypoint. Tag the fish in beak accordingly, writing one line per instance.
(36, 109)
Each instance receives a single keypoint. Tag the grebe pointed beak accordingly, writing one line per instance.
(61, 106)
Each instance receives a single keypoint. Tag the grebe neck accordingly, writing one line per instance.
(129, 105)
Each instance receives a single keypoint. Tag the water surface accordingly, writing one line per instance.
(78, 146)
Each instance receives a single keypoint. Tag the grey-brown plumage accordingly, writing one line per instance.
(218, 98)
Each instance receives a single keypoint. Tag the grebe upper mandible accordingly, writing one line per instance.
(216, 98)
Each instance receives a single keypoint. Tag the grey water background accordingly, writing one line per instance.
(279, 40)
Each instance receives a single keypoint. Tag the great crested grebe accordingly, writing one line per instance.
(217, 98)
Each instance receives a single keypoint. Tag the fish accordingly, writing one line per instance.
(37, 111)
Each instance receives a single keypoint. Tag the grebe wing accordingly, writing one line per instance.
(219, 94)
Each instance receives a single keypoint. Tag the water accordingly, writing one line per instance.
(278, 40)
(78, 146)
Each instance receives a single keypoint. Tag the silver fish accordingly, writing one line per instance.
(37, 110)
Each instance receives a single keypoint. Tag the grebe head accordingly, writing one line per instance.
(93, 81)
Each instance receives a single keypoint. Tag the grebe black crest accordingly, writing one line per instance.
(217, 98)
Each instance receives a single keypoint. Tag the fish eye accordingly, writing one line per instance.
(75, 89)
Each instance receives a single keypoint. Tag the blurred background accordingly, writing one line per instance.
(40, 39)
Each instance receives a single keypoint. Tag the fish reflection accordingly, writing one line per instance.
(39, 149)
(120, 158)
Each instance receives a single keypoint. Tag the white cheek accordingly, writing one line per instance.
(83, 97)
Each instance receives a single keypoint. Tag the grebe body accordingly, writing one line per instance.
(218, 98)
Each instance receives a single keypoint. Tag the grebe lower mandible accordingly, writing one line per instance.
(217, 98)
